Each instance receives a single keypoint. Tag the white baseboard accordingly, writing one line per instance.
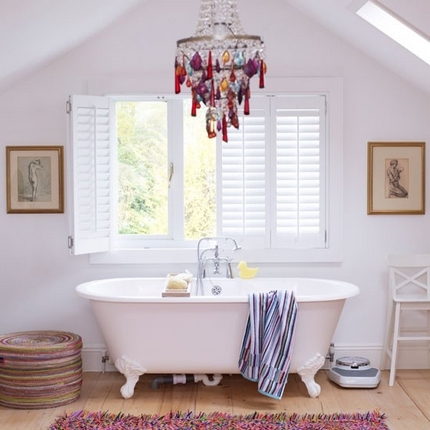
(93, 359)
(372, 353)
(411, 357)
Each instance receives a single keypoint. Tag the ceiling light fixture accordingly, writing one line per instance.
(387, 22)
(217, 64)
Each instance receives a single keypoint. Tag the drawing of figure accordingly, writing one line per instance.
(394, 187)
(33, 168)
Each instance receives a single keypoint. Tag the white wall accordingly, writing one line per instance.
(38, 275)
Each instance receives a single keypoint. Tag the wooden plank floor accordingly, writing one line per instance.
(407, 404)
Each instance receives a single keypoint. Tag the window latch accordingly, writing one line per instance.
(171, 171)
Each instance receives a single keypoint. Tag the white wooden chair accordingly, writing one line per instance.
(409, 291)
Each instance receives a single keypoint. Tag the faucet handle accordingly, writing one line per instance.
(229, 271)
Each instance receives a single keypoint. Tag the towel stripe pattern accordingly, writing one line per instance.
(266, 351)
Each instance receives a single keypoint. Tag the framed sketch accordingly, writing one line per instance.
(34, 179)
(396, 178)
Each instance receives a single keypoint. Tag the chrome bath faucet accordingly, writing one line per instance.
(214, 253)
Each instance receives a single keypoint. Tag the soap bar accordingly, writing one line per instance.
(176, 283)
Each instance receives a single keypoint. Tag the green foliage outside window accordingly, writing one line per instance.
(143, 166)
(142, 158)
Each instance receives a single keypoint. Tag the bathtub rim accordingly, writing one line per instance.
(82, 290)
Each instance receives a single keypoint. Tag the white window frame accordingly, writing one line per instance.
(332, 89)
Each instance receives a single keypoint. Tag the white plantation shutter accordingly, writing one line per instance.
(272, 178)
(299, 213)
(242, 177)
(91, 127)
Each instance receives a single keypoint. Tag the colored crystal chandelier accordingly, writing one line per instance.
(217, 64)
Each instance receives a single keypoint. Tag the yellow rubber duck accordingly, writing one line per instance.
(246, 272)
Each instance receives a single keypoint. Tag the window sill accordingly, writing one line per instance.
(189, 256)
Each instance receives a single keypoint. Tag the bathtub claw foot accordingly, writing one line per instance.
(307, 373)
(131, 369)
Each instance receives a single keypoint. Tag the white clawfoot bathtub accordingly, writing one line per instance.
(202, 334)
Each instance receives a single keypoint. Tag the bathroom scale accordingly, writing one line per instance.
(354, 372)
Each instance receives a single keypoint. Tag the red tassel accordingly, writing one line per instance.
(246, 106)
(224, 129)
(194, 107)
(209, 68)
(177, 83)
(261, 74)
(212, 94)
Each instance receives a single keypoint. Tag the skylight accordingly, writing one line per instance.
(387, 22)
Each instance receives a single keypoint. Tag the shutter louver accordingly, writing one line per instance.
(300, 178)
(91, 129)
(243, 177)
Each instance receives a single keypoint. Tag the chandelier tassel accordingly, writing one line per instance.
(246, 107)
(209, 74)
(177, 78)
(262, 73)
(212, 94)
(247, 97)
(194, 104)
(224, 129)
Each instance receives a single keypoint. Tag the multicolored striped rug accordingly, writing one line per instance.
(219, 421)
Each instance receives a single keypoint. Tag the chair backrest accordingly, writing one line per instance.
(409, 275)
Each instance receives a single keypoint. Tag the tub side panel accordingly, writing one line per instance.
(316, 324)
(202, 337)
(174, 337)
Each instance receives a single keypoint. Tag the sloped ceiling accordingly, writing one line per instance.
(339, 17)
(34, 33)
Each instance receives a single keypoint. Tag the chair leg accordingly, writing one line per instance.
(395, 345)
(387, 336)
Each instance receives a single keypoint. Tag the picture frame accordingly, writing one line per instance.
(34, 179)
(396, 178)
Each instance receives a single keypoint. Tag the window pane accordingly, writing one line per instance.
(199, 176)
(142, 167)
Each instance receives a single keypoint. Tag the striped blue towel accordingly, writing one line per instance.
(267, 345)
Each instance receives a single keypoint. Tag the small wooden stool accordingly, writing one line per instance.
(40, 369)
